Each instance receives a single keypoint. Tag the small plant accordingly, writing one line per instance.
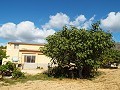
(38, 67)
(18, 74)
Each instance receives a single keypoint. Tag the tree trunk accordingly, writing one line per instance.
(2, 74)
(80, 72)
(0, 62)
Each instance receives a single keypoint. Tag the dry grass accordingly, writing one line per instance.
(110, 80)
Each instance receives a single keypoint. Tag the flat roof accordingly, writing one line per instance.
(22, 43)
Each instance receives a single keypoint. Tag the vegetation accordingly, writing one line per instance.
(77, 51)
(26, 78)
(109, 57)
(2, 55)
(10, 69)
(3, 47)
(17, 74)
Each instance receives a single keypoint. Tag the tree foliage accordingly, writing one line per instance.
(78, 46)
(3, 47)
(10, 69)
(109, 57)
(7, 69)
(2, 55)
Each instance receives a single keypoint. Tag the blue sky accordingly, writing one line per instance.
(33, 20)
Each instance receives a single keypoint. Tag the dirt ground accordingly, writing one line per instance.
(108, 81)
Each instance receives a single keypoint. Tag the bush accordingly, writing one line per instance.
(18, 74)
(10, 69)
(109, 57)
(63, 72)
(3, 69)
(11, 66)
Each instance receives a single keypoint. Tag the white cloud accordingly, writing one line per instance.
(26, 31)
(111, 22)
(7, 31)
(82, 22)
(88, 23)
(79, 20)
(57, 21)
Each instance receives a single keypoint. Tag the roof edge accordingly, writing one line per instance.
(23, 43)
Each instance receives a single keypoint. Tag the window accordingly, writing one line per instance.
(16, 46)
(29, 59)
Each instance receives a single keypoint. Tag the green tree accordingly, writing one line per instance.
(110, 56)
(3, 47)
(2, 55)
(78, 46)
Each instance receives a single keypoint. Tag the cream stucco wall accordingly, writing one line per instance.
(29, 47)
(40, 59)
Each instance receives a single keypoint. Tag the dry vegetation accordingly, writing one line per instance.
(110, 80)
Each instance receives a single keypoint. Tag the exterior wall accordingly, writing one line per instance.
(40, 59)
(43, 61)
(11, 52)
(29, 47)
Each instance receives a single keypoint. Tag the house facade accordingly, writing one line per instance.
(26, 56)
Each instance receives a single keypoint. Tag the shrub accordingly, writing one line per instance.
(10, 69)
(3, 69)
(10, 66)
(63, 72)
(109, 57)
(18, 74)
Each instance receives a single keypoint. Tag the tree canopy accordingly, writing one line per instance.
(78, 46)
(109, 57)
(3, 47)
(2, 55)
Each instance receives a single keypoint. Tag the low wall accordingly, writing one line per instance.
(35, 66)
